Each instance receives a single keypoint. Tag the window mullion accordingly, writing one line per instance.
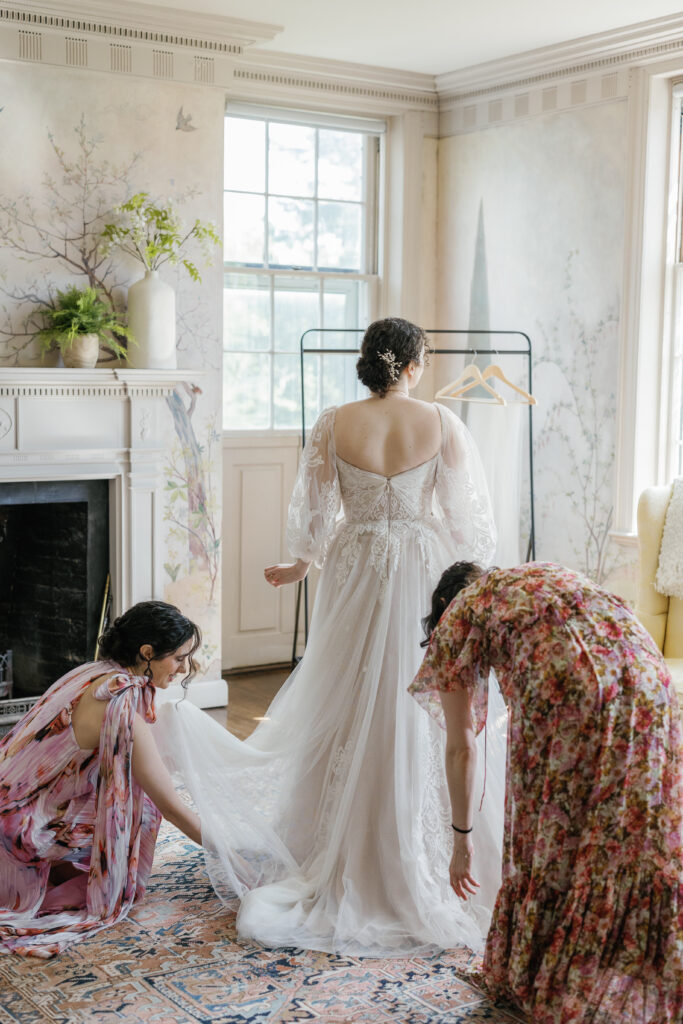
(315, 199)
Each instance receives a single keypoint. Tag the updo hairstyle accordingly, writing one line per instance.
(388, 346)
(453, 580)
(156, 623)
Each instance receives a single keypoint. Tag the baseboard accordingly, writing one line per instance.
(204, 693)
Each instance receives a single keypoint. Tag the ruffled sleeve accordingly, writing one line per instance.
(316, 498)
(462, 493)
(457, 659)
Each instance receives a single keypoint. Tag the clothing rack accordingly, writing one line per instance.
(304, 350)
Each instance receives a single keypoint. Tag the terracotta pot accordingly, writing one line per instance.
(82, 353)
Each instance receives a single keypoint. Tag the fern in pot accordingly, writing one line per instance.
(77, 322)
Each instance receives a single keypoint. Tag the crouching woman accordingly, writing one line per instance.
(83, 787)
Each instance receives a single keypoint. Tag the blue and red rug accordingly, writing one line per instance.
(176, 960)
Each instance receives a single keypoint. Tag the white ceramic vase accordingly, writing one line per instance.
(83, 352)
(151, 320)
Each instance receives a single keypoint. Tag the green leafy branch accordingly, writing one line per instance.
(154, 234)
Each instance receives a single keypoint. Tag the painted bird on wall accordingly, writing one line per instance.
(182, 122)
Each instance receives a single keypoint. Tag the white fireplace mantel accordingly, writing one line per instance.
(60, 424)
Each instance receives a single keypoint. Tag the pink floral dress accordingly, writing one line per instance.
(76, 813)
(588, 923)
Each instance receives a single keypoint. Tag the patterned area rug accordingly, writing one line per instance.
(176, 960)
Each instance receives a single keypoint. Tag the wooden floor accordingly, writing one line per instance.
(248, 698)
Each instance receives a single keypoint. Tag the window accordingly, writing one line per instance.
(672, 362)
(300, 253)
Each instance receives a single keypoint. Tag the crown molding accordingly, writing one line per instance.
(633, 44)
(332, 83)
(138, 22)
(138, 39)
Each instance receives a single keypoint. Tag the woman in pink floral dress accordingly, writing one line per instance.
(588, 923)
(83, 788)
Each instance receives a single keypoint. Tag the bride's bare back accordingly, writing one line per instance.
(387, 435)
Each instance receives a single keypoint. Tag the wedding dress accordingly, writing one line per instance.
(332, 821)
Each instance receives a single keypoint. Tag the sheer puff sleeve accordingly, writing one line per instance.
(462, 492)
(457, 659)
(316, 499)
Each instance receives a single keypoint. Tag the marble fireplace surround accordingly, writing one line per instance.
(62, 424)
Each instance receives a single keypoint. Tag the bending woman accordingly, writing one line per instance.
(83, 788)
(587, 924)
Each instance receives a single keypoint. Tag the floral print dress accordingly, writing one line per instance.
(77, 833)
(588, 923)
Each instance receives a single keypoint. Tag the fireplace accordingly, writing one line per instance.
(54, 561)
(79, 434)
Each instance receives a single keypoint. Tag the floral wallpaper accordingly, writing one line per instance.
(544, 200)
(73, 148)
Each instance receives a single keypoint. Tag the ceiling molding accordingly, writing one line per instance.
(262, 72)
(138, 22)
(632, 44)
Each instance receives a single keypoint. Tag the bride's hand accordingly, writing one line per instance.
(290, 572)
(462, 883)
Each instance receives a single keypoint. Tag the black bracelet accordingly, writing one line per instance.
(461, 831)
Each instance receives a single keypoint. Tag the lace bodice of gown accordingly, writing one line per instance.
(446, 493)
(390, 509)
(369, 498)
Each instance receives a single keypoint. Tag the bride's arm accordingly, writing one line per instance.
(286, 572)
(313, 506)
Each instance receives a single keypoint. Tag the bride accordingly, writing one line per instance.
(332, 820)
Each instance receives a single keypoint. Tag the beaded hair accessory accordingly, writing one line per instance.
(392, 365)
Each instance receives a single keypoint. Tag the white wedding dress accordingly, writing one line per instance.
(332, 821)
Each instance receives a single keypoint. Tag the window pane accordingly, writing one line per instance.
(340, 165)
(246, 391)
(291, 159)
(286, 391)
(345, 304)
(290, 233)
(339, 236)
(339, 378)
(243, 233)
(296, 309)
(246, 312)
(245, 154)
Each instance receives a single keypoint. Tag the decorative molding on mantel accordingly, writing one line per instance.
(36, 382)
(100, 424)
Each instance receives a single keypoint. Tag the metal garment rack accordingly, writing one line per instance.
(526, 352)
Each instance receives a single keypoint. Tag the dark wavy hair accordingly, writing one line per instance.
(454, 579)
(156, 623)
(388, 346)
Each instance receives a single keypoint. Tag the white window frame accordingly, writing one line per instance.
(645, 406)
(373, 208)
(672, 349)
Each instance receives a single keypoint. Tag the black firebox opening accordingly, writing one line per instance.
(54, 560)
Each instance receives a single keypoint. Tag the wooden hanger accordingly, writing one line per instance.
(495, 371)
(470, 377)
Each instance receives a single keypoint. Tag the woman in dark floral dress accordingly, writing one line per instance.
(588, 923)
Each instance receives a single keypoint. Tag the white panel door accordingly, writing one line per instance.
(258, 477)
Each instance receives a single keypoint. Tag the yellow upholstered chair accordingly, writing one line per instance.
(662, 616)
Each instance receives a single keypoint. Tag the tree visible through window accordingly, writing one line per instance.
(300, 253)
